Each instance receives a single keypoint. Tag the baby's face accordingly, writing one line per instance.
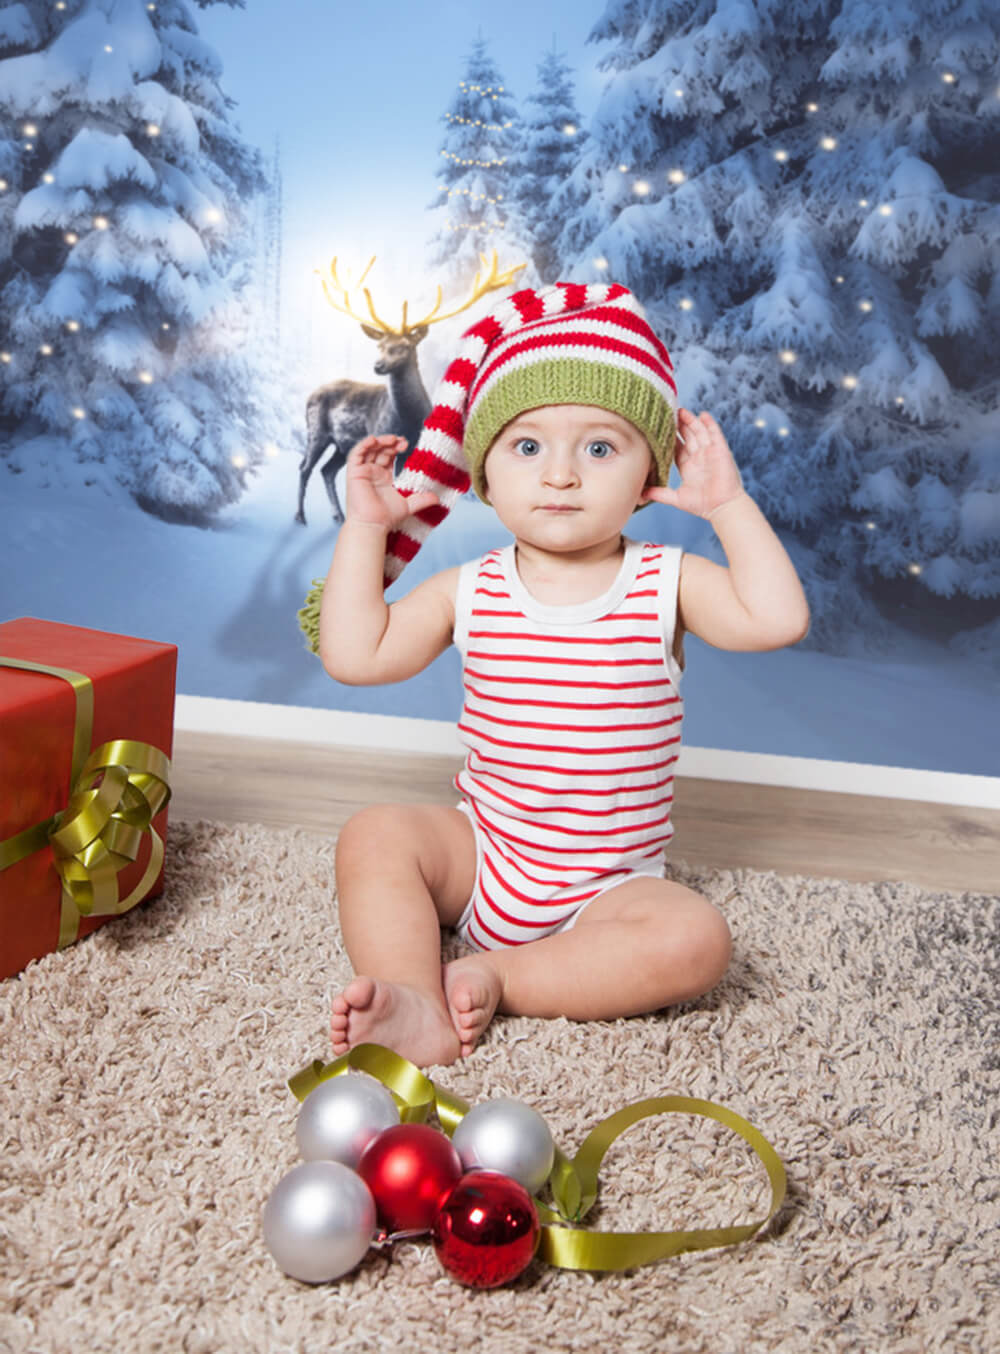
(567, 476)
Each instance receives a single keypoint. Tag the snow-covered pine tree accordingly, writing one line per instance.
(551, 142)
(475, 198)
(800, 193)
(122, 313)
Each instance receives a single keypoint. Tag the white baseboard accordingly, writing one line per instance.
(387, 733)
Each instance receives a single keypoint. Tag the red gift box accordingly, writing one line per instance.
(82, 795)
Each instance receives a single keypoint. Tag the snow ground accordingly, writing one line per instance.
(227, 597)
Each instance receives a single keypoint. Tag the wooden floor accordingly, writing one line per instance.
(231, 780)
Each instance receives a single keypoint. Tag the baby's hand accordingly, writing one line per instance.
(709, 475)
(371, 495)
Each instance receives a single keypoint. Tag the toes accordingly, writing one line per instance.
(359, 993)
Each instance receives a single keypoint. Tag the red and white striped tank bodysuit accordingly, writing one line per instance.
(572, 724)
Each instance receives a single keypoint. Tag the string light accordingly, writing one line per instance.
(677, 176)
(870, 526)
(3, 185)
(79, 413)
(30, 129)
(948, 77)
(641, 187)
(862, 202)
(482, 164)
(678, 93)
(781, 156)
(850, 383)
(271, 449)
(866, 306)
(152, 129)
(788, 356)
(46, 350)
(213, 215)
(101, 223)
(839, 279)
(828, 142)
(108, 47)
(783, 432)
(48, 178)
(71, 237)
(624, 168)
(73, 326)
(760, 423)
(29, 145)
(570, 129)
(61, 4)
(900, 400)
(164, 325)
(478, 122)
(239, 461)
(686, 303)
(6, 358)
(812, 107)
(602, 264)
(885, 209)
(914, 569)
(146, 377)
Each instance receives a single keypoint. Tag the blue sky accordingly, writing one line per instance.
(356, 93)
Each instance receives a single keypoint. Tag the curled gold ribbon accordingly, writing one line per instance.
(573, 1183)
(115, 793)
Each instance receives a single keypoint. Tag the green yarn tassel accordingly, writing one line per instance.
(308, 617)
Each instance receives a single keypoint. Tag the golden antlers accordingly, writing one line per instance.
(493, 280)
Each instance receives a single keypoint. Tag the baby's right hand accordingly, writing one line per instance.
(371, 496)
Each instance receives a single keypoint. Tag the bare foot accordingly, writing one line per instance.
(402, 1018)
(472, 989)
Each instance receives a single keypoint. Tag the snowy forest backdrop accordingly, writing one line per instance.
(804, 195)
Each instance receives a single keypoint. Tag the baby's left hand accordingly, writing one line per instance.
(709, 475)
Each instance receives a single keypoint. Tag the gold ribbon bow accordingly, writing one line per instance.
(115, 793)
(573, 1183)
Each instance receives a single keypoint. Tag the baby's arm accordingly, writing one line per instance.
(758, 602)
(363, 640)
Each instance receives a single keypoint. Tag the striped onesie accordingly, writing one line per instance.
(572, 725)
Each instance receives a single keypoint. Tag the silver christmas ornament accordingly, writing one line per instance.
(508, 1136)
(319, 1221)
(341, 1116)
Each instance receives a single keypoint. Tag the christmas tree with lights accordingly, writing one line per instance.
(475, 175)
(805, 201)
(552, 139)
(124, 267)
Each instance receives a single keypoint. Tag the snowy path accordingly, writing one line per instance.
(228, 598)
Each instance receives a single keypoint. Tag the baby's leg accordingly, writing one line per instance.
(403, 872)
(643, 945)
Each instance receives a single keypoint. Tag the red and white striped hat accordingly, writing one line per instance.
(564, 344)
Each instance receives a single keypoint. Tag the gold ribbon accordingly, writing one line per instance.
(115, 793)
(573, 1183)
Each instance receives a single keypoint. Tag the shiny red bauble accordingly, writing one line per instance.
(486, 1230)
(409, 1168)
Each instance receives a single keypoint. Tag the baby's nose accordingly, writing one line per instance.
(560, 470)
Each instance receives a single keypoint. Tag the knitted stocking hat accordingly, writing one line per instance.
(563, 344)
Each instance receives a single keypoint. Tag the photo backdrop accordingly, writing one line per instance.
(803, 196)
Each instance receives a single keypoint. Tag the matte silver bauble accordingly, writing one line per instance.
(341, 1116)
(508, 1136)
(319, 1221)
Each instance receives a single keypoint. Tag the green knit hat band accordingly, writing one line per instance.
(569, 380)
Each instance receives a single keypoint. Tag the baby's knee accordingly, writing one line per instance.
(364, 836)
(714, 945)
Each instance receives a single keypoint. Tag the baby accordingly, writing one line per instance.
(561, 411)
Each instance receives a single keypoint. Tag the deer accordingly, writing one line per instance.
(342, 412)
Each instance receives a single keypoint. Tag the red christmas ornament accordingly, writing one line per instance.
(486, 1230)
(408, 1169)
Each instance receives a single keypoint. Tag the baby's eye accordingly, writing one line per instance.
(526, 446)
(600, 450)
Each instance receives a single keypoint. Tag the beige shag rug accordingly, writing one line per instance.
(145, 1118)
